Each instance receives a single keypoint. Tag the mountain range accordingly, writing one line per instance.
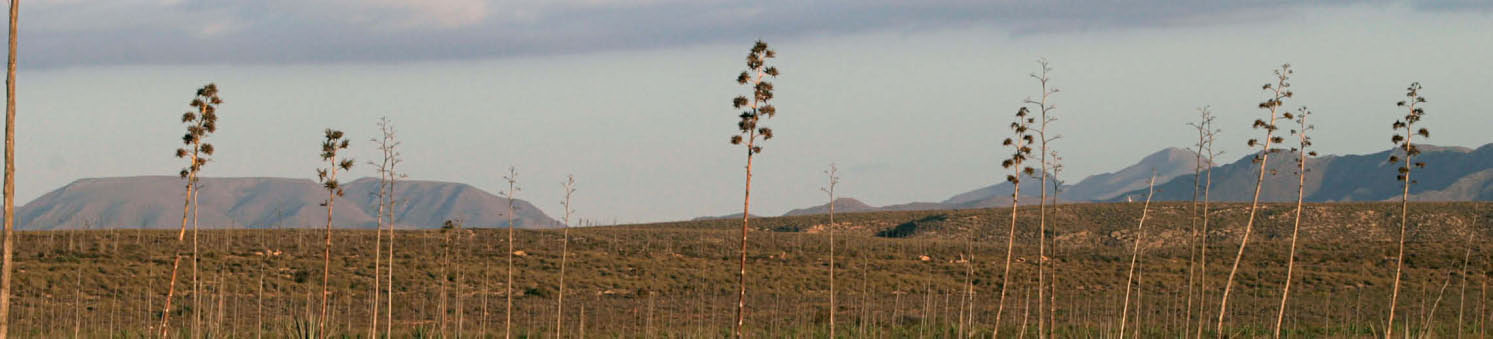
(157, 201)
(1168, 163)
(1451, 174)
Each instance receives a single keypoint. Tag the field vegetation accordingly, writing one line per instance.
(901, 274)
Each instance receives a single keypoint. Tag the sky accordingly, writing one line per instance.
(909, 98)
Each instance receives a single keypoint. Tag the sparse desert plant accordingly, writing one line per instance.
(462, 237)
(833, 174)
(1206, 135)
(1197, 177)
(449, 227)
(1020, 143)
(1405, 130)
(264, 269)
(391, 176)
(333, 144)
(1045, 116)
(754, 110)
(966, 301)
(1140, 234)
(1302, 149)
(512, 179)
(10, 174)
(1482, 307)
(381, 195)
(1055, 164)
(201, 123)
(569, 187)
(486, 279)
(1462, 295)
(1280, 91)
(1192, 251)
(387, 145)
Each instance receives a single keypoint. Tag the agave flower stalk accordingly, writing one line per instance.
(1045, 117)
(333, 144)
(1279, 92)
(1140, 234)
(569, 189)
(1055, 164)
(1304, 142)
(750, 132)
(512, 179)
(1207, 134)
(10, 173)
(1405, 131)
(1020, 144)
(201, 121)
(382, 195)
(833, 174)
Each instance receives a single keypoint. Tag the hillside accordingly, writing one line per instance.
(842, 205)
(156, 202)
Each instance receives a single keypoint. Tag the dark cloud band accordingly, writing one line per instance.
(331, 31)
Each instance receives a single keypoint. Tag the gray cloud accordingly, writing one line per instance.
(112, 32)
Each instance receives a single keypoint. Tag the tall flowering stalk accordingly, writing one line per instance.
(201, 121)
(1303, 143)
(1405, 130)
(333, 144)
(1020, 144)
(1279, 92)
(754, 110)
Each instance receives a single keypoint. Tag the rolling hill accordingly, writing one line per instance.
(842, 205)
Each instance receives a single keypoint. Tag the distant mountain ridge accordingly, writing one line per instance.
(1452, 174)
(156, 202)
(1167, 164)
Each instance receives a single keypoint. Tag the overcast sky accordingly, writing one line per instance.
(910, 98)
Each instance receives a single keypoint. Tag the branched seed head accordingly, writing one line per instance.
(758, 106)
(1043, 106)
(1279, 91)
(1019, 142)
(833, 174)
(1405, 130)
(1055, 164)
(1206, 134)
(388, 145)
(201, 122)
(569, 186)
(1303, 139)
(512, 179)
(333, 144)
